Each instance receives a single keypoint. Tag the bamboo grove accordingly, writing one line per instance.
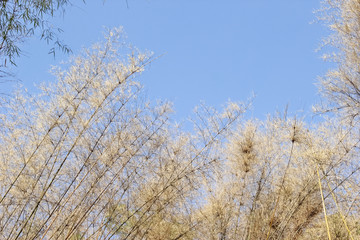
(89, 157)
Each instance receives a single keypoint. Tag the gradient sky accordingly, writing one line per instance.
(215, 50)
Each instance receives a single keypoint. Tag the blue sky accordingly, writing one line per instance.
(215, 50)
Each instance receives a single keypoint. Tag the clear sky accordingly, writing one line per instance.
(214, 50)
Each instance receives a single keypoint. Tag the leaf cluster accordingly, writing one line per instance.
(21, 19)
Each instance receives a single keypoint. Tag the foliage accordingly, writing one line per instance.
(21, 19)
(89, 158)
(268, 187)
(341, 86)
